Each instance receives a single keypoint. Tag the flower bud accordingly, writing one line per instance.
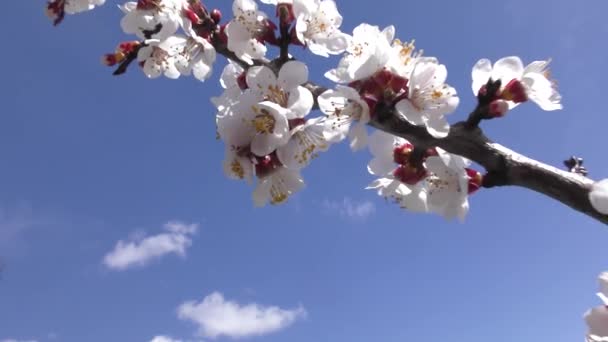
(266, 165)
(409, 175)
(475, 180)
(127, 47)
(498, 108)
(514, 91)
(285, 14)
(216, 16)
(192, 16)
(401, 154)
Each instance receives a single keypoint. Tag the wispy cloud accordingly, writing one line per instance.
(16, 221)
(139, 251)
(217, 317)
(164, 339)
(350, 209)
(13, 340)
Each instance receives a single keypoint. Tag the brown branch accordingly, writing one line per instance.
(504, 166)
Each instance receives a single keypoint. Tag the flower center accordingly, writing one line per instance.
(264, 123)
(277, 95)
(237, 169)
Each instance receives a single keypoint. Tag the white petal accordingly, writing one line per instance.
(438, 127)
(409, 112)
(358, 136)
(300, 102)
(482, 71)
(292, 74)
(507, 69)
(597, 321)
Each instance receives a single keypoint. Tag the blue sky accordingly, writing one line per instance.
(89, 159)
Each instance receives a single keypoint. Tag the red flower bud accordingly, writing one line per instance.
(401, 154)
(285, 14)
(216, 16)
(514, 91)
(409, 175)
(266, 165)
(475, 180)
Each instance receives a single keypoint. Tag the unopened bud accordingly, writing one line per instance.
(192, 16)
(127, 47)
(475, 180)
(216, 16)
(498, 108)
(514, 91)
(266, 165)
(401, 154)
(409, 175)
(285, 14)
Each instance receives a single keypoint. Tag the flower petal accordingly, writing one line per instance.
(481, 73)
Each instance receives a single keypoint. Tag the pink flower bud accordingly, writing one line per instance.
(475, 180)
(409, 175)
(498, 108)
(285, 14)
(192, 16)
(266, 165)
(401, 154)
(514, 91)
(216, 16)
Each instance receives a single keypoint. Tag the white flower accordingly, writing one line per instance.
(152, 19)
(318, 26)
(598, 196)
(237, 164)
(77, 6)
(196, 56)
(446, 186)
(387, 150)
(597, 323)
(246, 32)
(403, 58)
(160, 57)
(306, 141)
(233, 82)
(56, 9)
(367, 52)
(344, 106)
(263, 126)
(382, 145)
(531, 82)
(429, 98)
(276, 2)
(277, 187)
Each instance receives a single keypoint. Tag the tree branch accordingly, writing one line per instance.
(503, 166)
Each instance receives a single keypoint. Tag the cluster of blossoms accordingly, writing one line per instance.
(597, 318)
(263, 115)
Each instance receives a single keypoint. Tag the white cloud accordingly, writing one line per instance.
(350, 209)
(13, 340)
(164, 339)
(217, 317)
(141, 250)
